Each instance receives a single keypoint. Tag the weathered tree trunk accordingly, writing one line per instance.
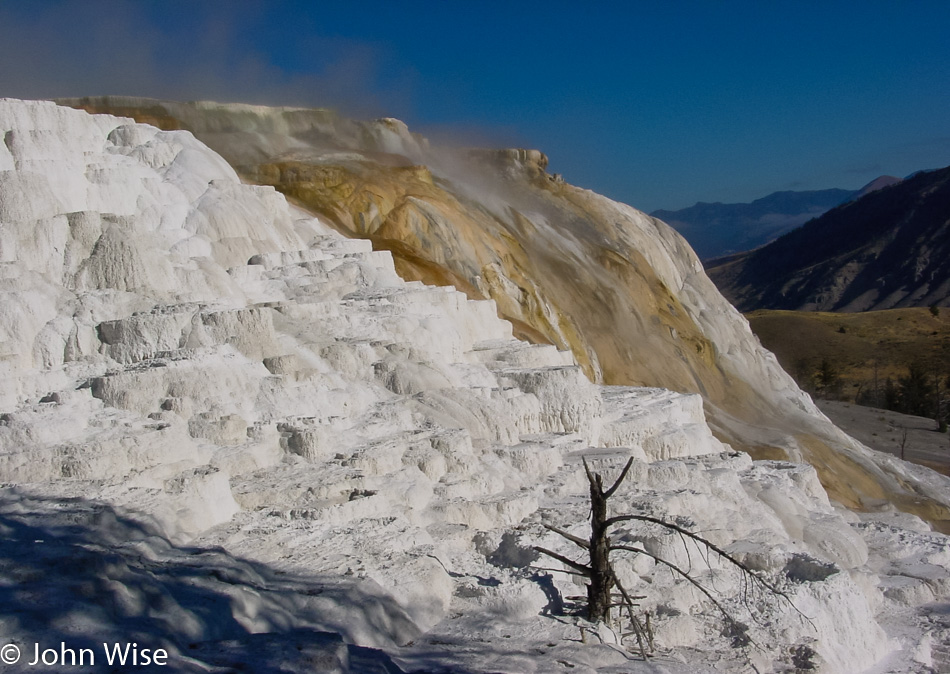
(601, 578)
(601, 574)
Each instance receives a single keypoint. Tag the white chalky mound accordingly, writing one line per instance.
(231, 433)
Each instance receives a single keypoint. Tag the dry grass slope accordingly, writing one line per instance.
(861, 346)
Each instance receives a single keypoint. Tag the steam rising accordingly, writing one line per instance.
(98, 47)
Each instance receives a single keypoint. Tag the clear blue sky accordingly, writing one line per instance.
(658, 104)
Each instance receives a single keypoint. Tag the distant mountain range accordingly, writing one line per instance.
(717, 229)
(889, 248)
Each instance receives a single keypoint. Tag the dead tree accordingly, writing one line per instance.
(599, 571)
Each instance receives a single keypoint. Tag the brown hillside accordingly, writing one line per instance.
(861, 346)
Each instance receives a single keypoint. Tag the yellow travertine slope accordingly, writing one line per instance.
(620, 289)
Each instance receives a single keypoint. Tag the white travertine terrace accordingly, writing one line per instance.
(347, 453)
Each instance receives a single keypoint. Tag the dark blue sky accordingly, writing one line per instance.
(658, 104)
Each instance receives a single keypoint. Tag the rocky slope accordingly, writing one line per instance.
(885, 250)
(230, 433)
(619, 289)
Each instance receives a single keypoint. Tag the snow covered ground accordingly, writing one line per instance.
(233, 435)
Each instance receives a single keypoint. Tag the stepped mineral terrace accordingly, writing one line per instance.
(233, 434)
(621, 290)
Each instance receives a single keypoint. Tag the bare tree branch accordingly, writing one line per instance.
(573, 573)
(590, 476)
(623, 474)
(637, 629)
(719, 551)
(577, 566)
(571, 537)
(684, 574)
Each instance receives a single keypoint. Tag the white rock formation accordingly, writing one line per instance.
(621, 290)
(358, 463)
